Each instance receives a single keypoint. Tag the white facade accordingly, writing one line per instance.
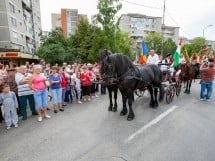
(138, 25)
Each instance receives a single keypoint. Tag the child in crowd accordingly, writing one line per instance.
(78, 86)
(10, 104)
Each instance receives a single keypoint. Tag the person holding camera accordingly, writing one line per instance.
(207, 76)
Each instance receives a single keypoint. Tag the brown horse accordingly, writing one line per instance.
(188, 73)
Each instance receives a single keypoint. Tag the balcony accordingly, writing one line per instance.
(27, 5)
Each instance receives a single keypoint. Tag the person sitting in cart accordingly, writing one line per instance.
(166, 66)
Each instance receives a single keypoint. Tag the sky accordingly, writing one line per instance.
(192, 16)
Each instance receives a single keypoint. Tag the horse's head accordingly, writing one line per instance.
(104, 53)
(108, 70)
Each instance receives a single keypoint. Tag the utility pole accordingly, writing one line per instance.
(205, 29)
(163, 26)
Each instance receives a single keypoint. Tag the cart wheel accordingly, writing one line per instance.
(178, 88)
(170, 93)
(139, 92)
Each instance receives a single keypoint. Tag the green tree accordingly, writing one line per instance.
(154, 41)
(187, 49)
(107, 19)
(53, 48)
(83, 40)
(169, 46)
(123, 44)
(197, 43)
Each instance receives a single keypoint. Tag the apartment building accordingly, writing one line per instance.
(20, 28)
(68, 20)
(20, 25)
(138, 25)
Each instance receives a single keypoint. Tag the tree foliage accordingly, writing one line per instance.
(169, 46)
(154, 41)
(194, 47)
(81, 41)
(54, 47)
(197, 44)
(108, 20)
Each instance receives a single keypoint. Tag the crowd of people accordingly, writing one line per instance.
(32, 85)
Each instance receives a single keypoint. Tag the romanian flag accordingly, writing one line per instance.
(143, 55)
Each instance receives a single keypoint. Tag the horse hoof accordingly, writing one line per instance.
(151, 105)
(114, 109)
(123, 113)
(156, 105)
(109, 108)
(130, 117)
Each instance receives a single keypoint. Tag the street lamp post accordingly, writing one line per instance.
(205, 29)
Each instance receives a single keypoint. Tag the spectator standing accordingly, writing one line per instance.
(86, 83)
(24, 91)
(63, 84)
(10, 80)
(68, 94)
(1, 83)
(78, 86)
(207, 76)
(98, 76)
(9, 102)
(92, 79)
(38, 85)
(56, 90)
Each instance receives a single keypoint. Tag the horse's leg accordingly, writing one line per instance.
(124, 108)
(115, 100)
(190, 82)
(110, 99)
(155, 95)
(151, 104)
(187, 83)
(131, 112)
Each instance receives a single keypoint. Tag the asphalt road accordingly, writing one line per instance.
(181, 131)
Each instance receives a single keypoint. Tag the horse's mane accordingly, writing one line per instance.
(121, 62)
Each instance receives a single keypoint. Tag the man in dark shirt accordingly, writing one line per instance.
(207, 76)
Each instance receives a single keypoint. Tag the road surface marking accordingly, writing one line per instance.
(151, 123)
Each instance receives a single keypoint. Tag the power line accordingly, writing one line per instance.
(182, 29)
(137, 4)
(159, 8)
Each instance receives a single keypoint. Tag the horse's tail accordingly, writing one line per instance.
(133, 97)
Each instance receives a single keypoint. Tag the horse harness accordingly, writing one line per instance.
(132, 71)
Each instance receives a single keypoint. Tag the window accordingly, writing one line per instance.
(15, 35)
(147, 26)
(25, 17)
(12, 8)
(13, 21)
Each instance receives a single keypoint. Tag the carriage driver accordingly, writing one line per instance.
(153, 58)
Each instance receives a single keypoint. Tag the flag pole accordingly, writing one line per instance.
(162, 28)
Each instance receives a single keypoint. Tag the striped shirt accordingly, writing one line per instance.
(23, 88)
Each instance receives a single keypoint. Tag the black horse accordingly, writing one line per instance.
(112, 88)
(118, 68)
